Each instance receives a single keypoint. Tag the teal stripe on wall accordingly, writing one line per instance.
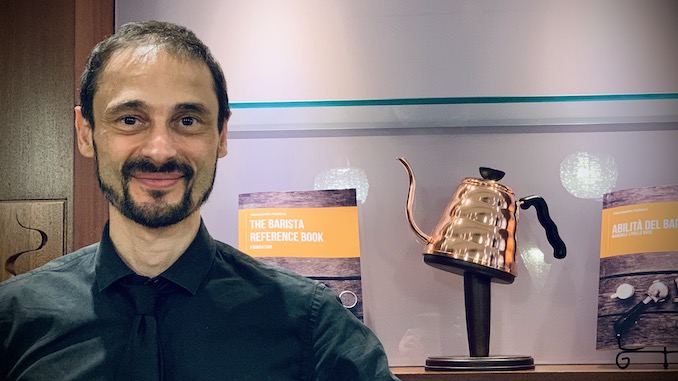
(453, 101)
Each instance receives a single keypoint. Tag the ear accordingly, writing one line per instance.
(83, 134)
(222, 149)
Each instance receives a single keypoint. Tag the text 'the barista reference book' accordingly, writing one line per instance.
(313, 233)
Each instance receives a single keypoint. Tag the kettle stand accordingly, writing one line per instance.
(477, 280)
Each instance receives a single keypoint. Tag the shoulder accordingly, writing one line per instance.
(52, 277)
(251, 268)
(315, 296)
(284, 295)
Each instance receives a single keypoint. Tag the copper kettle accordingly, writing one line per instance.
(475, 237)
(477, 229)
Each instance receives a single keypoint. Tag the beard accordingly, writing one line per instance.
(158, 213)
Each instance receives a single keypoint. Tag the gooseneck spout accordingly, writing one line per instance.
(410, 202)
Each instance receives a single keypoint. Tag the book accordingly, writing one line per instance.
(638, 285)
(313, 233)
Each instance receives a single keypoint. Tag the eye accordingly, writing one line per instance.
(129, 120)
(187, 121)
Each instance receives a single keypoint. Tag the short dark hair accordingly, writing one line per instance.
(174, 39)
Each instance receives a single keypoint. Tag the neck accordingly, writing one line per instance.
(150, 251)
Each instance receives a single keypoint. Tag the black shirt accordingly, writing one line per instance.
(226, 316)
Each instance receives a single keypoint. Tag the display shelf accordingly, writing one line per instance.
(342, 114)
(592, 372)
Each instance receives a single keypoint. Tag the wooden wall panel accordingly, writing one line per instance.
(45, 45)
(36, 98)
(94, 21)
(31, 234)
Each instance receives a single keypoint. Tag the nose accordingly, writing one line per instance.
(159, 145)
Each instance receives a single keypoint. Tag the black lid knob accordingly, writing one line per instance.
(491, 174)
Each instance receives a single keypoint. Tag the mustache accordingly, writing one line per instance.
(145, 165)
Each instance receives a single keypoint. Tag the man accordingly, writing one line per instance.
(157, 298)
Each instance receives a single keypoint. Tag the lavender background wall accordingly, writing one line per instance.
(410, 49)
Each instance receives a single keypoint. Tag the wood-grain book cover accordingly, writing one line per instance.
(638, 289)
(313, 233)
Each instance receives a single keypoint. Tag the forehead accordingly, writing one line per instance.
(134, 59)
(153, 75)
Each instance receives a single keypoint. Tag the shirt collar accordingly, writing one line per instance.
(188, 271)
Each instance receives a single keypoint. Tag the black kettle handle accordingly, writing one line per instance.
(559, 249)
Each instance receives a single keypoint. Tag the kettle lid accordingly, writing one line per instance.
(491, 174)
(489, 179)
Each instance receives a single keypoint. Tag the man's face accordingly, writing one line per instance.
(155, 140)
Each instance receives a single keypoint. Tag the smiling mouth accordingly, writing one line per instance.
(158, 180)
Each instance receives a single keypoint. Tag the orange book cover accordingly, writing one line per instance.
(313, 233)
(638, 286)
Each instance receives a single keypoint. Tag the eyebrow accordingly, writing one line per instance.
(126, 105)
(193, 107)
